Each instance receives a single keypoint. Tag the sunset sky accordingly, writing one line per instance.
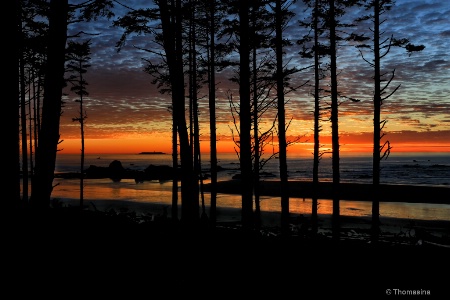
(127, 114)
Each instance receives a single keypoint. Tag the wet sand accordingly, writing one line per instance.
(348, 191)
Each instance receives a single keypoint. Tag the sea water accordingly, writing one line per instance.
(408, 169)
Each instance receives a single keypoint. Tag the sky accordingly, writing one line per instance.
(127, 114)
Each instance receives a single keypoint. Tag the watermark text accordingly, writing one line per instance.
(413, 292)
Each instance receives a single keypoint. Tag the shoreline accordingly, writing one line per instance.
(348, 191)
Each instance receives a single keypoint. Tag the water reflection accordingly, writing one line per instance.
(161, 193)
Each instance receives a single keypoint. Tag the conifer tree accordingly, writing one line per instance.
(313, 47)
(78, 63)
(169, 76)
(380, 48)
(334, 10)
(60, 14)
(282, 15)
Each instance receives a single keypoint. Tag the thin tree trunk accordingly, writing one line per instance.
(314, 215)
(334, 125)
(212, 118)
(23, 119)
(82, 168)
(191, 92)
(245, 118)
(82, 146)
(197, 153)
(34, 113)
(30, 126)
(174, 210)
(193, 105)
(171, 27)
(12, 182)
(376, 126)
(284, 185)
(189, 205)
(255, 130)
(37, 120)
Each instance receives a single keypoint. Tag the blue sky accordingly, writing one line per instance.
(124, 104)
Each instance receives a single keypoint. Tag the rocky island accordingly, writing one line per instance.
(152, 153)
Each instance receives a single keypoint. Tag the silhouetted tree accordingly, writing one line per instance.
(169, 77)
(23, 119)
(245, 116)
(198, 71)
(334, 120)
(12, 181)
(174, 208)
(140, 22)
(211, 45)
(172, 35)
(42, 183)
(78, 58)
(194, 126)
(31, 98)
(263, 79)
(380, 48)
(281, 16)
(59, 14)
(251, 33)
(239, 28)
(335, 10)
(33, 35)
(29, 29)
(316, 51)
(261, 85)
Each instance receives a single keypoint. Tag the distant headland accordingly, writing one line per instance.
(152, 153)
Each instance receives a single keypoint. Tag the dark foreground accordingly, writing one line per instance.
(93, 254)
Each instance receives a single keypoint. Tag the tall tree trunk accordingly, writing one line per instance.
(334, 124)
(31, 98)
(82, 117)
(255, 127)
(212, 117)
(245, 118)
(82, 167)
(23, 126)
(172, 39)
(36, 91)
(284, 185)
(12, 182)
(376, 126)
(198, 187)
(314, 215)
(189, 199)
(174, 209)
(42, 183)
(37, 110)
(193, 104)
(191, 93)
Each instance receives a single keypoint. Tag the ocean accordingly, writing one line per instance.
(406, 169)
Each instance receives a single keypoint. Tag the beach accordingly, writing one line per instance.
(132, 249)
(353, 195)
(392, 230)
